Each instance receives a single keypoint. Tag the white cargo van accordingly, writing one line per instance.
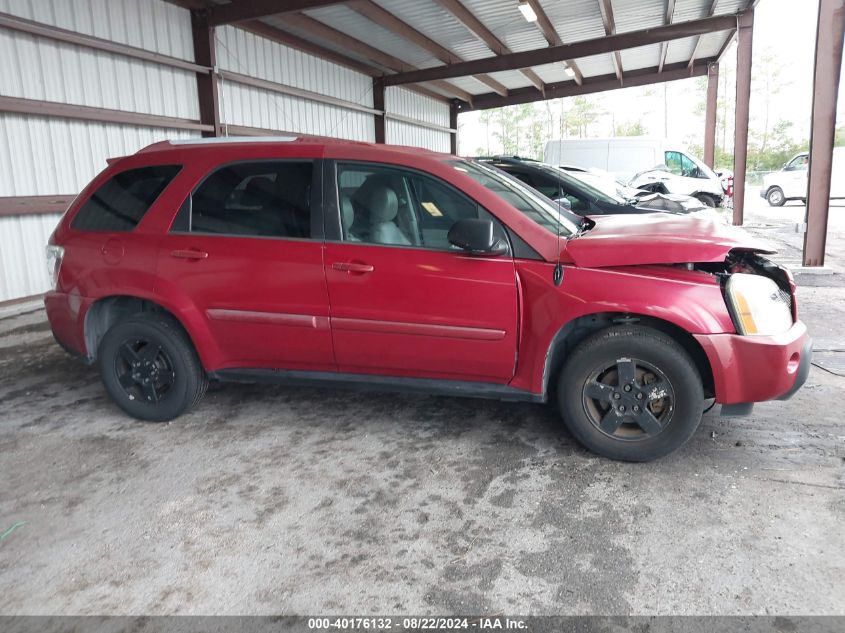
(642, 162)
(790, 183)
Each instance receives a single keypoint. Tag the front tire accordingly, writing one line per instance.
(150, 369)
(706, 200)
(775, 197)
(630, 393)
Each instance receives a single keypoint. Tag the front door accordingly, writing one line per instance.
(689, 179)
(245, 252)
(403, 300)
(795, 177)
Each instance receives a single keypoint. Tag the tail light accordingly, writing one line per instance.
(54, 262)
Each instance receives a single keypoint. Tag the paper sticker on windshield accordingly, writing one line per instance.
(432, 209)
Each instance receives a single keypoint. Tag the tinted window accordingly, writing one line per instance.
(123, 200)
(681, 165)
(553, 187)
(264, 199)
(385, 205)
(528, 201)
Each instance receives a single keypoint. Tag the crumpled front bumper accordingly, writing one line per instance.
(748, 369)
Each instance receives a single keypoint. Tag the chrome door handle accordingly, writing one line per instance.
(189, 253)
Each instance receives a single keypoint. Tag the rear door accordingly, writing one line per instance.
(245, 251)
(403, 300)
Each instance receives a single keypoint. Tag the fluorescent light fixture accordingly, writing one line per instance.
(527, 11)
(569, 72)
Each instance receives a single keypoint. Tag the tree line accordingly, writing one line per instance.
(524, 129)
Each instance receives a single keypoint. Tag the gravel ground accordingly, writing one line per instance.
(279, 500)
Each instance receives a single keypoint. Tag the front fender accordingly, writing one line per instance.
(688, 301)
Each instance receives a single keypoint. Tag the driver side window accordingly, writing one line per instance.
(680, 165)
(391, 206)
(799, 163)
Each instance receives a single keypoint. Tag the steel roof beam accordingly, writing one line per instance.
(552, 54)
(664, 46)
(242, 10)
(309, 25)
(387, 20)
(698, 39)
(550, 33)
(610, 29)
(306, 46)
(640, 77)
(477, 28)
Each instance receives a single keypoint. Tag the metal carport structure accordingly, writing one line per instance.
(93, 79)
(483, 54)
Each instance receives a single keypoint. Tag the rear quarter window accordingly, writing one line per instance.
(120, 203)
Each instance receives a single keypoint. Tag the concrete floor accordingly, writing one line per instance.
(277, 500)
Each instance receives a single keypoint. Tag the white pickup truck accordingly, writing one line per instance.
(790, 183)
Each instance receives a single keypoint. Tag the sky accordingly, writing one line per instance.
(783, 29)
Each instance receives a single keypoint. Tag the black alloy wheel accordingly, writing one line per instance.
(150, 367)
(144, 370)
(630, 392)
(630, 399)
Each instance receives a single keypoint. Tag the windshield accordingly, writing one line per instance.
(586, 187)
(523, 198)
(705, 170)
(612, 188)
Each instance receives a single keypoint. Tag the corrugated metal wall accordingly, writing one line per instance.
(22, 263)
(248, 54)
(46, 156)
(50, 156)
(42, 156)
(416, 106)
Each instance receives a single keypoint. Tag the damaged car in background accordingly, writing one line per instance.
(589, 192)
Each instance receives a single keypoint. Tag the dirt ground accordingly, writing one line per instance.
(280, 500)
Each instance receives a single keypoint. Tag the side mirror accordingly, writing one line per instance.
(476, 237)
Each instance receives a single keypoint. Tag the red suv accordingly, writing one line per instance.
(310, 260)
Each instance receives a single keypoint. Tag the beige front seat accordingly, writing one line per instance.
(382, 207)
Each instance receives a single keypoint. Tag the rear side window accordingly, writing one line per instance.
(259, 199)
(122, 201)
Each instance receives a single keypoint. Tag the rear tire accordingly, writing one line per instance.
(775, 197)
(150, 368)
(630, 393)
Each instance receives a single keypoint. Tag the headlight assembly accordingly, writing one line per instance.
(757, 305)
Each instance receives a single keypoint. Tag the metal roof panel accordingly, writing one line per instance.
(355, 25)
(635, 15)
(439, 25)
(504, 19)
(575, 20)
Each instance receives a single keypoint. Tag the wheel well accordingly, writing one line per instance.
(714, 198)
(571, 334)
(104, 313)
